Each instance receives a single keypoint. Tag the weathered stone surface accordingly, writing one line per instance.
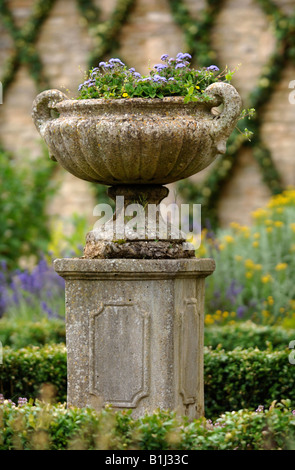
(136, 141)
(138, 249)
(135, 333)
(147, 236)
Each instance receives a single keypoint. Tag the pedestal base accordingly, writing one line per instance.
(135, 333)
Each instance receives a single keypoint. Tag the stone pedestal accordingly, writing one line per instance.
(135, 333)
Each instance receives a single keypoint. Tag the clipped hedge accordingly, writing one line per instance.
(248, 335)
(41, 426)
(18, 333)
(24, 371)
(233, 380)
(244, 378)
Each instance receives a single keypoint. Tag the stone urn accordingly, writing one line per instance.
(136, 146)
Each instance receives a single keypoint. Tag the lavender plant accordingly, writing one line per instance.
(32, 294)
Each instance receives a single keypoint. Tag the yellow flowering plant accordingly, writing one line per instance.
(254, 277)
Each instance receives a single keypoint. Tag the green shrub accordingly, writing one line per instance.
(25, 371)
(233, 380)
(247, 335)
(42, 426)
(25, 189)
(18, 333)
(244, 378)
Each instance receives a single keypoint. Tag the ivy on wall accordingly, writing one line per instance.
(197, 33)
(24, 39)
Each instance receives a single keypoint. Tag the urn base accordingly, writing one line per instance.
(162, 249)
(149, 235)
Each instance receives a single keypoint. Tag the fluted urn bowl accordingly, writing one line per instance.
(136, 141)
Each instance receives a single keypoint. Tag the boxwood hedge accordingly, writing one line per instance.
(247, 335)
(18, 333)
(233, 379)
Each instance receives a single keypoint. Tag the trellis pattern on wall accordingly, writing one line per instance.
(197, 34)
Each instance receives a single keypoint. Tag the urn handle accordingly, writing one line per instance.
(224, 123)
(44, 106)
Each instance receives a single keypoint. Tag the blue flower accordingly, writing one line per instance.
(240, 311)
(179, 66)
(94, 72)
(213, 68)
(89, 83)
(132, 70)
(183, 56)
(116, 61)
(145, 79)
(171, 78)
(158, 78)
(136, 75)
(160, 66)
(102, 64)
(164, 57)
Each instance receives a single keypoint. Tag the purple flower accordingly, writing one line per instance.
(160, 66)
(102, 64)
(233, 290)
(3, 265)
(171, 78)
(89, 83)
(183, 56)
(180, 65)
(145, 79)
(136, 75)
(132, 70)
(260, 409)
(213, 68)
(80, 86)
(116, 61)
(22, 401)
(94, 72)
(240, 311)
(164, 57)
(158, 78)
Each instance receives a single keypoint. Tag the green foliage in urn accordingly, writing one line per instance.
(171, 77)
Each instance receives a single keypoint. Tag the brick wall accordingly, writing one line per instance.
(242, 35)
